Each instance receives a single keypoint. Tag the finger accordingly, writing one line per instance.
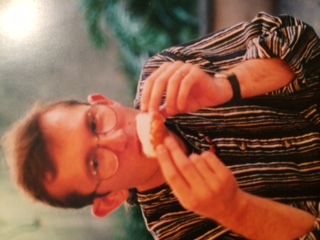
(174, 84)
(206, 175)
(163, 111)
(169, 170)
(203, 167)
(201, 183)
(183, 164)
(210, 174)
(185, 89)
(184, 189)
(160, 87)
(215, 164)
(148, 87)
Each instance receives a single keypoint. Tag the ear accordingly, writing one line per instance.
(99, 98)
(106, 205)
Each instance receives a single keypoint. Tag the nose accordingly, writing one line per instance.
(115, 140)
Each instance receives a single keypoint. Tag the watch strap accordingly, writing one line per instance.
(234, 82)
(235, 88)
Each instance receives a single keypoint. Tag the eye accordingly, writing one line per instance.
(94, 166)
(93, 125)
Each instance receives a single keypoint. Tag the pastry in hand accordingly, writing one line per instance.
(151, 131)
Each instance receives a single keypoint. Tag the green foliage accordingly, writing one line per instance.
(21, 229)
(131, 225)
(142, 27)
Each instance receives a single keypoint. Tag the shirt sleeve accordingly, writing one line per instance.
(289, 39)
(315, 233)
(314, 209)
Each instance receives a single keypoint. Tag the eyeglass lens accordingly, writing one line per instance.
(104, 117)
(104, 164)
(107, 162)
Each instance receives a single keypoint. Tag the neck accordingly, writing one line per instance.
(155, 180)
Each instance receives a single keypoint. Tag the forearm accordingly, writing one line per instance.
(260, 76)
(257, 77)
(260, 218)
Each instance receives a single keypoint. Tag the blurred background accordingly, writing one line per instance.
(53, 49)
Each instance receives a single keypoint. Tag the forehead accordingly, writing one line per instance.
(67, 134)
(63, 116)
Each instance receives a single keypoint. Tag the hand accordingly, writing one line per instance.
(187, 88)
(202, 183)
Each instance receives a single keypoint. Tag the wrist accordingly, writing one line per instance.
(234, 84)
(237, 211)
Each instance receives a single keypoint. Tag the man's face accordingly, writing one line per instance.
(71, 143)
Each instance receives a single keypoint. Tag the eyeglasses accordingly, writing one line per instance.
(103, 163)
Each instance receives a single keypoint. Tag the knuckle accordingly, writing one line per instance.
(206, 154)
(195, 70)
(189, 65)
(173, 178)
(160, 80)
(166, 64)
(175, 79)
(186, 167)
(196, 159)
(190, 204)
(178, 63)
(189, 80)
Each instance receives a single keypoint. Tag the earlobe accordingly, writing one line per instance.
(99, 98)
(102, 207)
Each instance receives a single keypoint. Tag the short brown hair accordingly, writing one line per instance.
(26, 152)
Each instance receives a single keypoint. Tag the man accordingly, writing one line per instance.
(242, 158)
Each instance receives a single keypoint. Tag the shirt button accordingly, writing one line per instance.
(242, 146)
(286, 143)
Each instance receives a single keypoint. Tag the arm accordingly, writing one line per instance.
(262, 218)
(265, 37)
(188, 88)
(200, 181)
(261, 76)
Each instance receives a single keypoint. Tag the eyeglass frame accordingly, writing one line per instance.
(92, 165)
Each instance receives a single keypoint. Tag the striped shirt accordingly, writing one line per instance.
(270, 142)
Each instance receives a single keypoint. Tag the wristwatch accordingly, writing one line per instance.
(234, 82)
